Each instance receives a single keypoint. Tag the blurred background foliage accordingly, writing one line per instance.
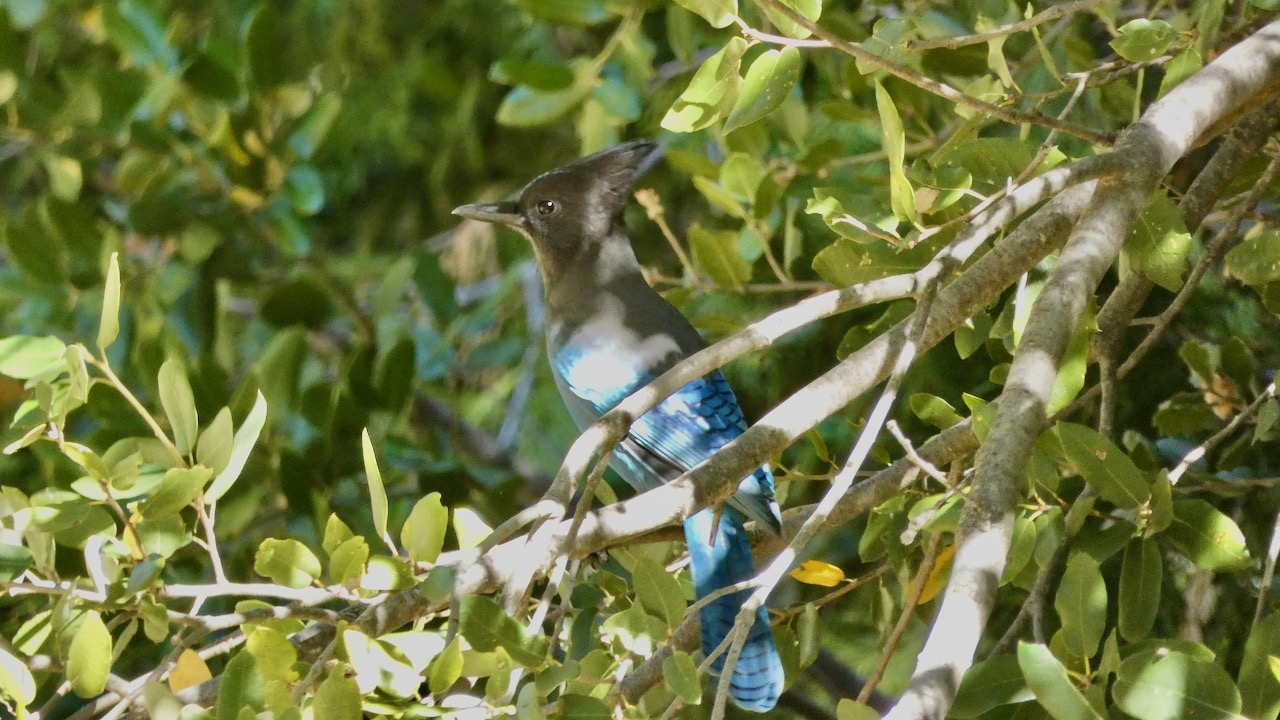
(276, 179)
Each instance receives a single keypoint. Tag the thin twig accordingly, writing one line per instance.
(1052, 13)
(103, 365)
(1203, 448)
(652, 205)
(904, 618)
(945, 91)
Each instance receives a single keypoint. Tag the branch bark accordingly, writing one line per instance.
(1166, 132)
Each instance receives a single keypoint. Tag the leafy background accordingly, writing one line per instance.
(270, 184)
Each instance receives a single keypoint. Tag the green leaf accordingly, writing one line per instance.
(934, 410)
(1140, 576)
(393, 373)
(1160, 243)
(1143, 39)
(89, 657)
(583, 707)
(719, 13)
(536, 73)
(274, 653)
(989, 684)
(716, 253)
(901, 194)
(302, 299)
(1182, 66)
(850, 709)
(109, 324)
(809, 9)
(768, 80)
(177, 490)
(1075, 361)
(179, 405)
(348, 561)
(36, 250)
(214, 448)
(337, 698)
(286, 562)
(424, 530)
(65, 177)
(262, 47)
(314, 125)
(1207, 537)
(680, 673)
(377, 492)
(567, 12)
(1175, 685)
(1081, 603)
(336, 532)
(658, 591)
(852, 214)
(23, 357)
(246, 437)
(719, 197)
(305, 190)
(526, 106)
(279, 367)
(242, 687)
(990, 161)
(138, 32)
(1259, 686)
(711, 92)
(487, 627)
(741, 175)
(380, 664)
(446, 668)
(145, 574)
(635, 630)
(1256, 260)
(14, 560)
(1107, 469)
(16, 680)
(1053, 688)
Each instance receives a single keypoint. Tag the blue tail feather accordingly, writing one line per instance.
(718, 562)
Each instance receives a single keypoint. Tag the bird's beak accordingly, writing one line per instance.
(502, 213)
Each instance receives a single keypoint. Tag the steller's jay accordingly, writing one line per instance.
(609, 334)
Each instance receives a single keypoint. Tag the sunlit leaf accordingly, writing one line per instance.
(1143, 39)
(89, 657)
(1207, 537)
(179, 405)
(1051, 685)
(245, 438)
(286, 562)
(424, 530)
(767, 82)
(1139, 599)
(719, 13)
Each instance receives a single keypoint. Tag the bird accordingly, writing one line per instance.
(608, 333)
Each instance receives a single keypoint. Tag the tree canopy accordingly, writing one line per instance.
(997, 281)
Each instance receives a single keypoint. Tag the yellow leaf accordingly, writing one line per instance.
(816, 572)
(938, 576)
(190, 670)
(1273, 663)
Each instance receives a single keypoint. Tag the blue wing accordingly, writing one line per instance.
(680, 432)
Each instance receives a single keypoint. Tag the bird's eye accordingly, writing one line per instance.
(547, 207)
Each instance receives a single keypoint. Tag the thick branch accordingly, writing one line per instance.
(1150, 147)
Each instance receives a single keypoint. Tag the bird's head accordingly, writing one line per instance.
(565, 209)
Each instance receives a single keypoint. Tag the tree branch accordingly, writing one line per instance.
(1166, 132)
